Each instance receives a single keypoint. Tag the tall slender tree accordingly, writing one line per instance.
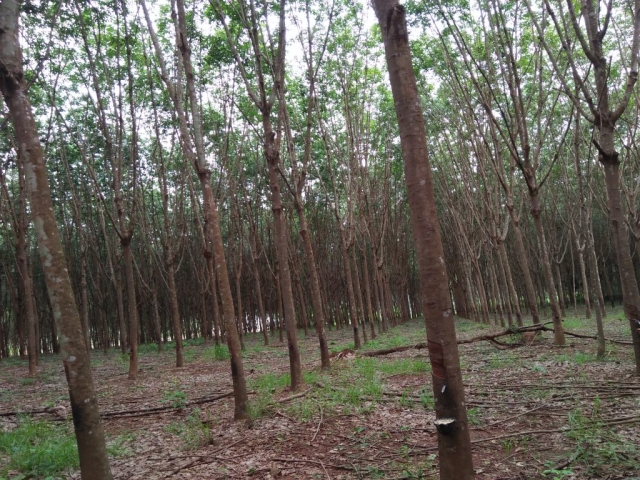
(94, 464)
(454, 443)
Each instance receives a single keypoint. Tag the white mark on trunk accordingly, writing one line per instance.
(446, 313)
(444, 387)
(71, 359)
(30, 175)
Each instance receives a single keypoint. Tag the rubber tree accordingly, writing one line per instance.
(454, 444)
(590, 26)
(94, 464)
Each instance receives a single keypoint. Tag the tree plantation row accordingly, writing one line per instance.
(175, 170)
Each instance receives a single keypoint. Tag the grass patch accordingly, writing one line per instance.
(119, 446)
(194, 432)
(265, 385)
(578, 358)
(175, 398)
(344, 346)
(257, 350)
(469, 326)
(193, 342)
(28, 381)
(217, 352)
(39, 449)
(189, 355)
(572, 323)
(598, 446)
(390, 339)
(502, 359)
(270, 382)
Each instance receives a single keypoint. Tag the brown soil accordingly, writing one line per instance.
(520, 402)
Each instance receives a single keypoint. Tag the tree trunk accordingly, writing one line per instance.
(316, 298)
(92, 451)
(256, 277)
(282, 248)
(454, 443)
(26, 289)
(560, 290)
(176, 323)
(593, 285)
(84, 294)
(358, 291)
(367, 291)
(521, 255)
(558, 332)
(498, 305)
(124, 337)
(630, 293)
(353, 313)
(585, 283)
(504, 271)
(131, 304)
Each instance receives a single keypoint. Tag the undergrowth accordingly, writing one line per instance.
(193, 431)
(598, 446)
(38, 449)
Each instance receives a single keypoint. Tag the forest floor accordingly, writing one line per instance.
(536, 411)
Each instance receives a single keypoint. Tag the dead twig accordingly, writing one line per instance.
(205, 459)
(319, 425)
(293, 397)
(313, 462)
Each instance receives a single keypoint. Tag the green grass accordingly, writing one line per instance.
(265, 386)
(28, 381)
(502, 359)
(39, 449)
(598, 446)
(189, 355)
(175, 398)
(193, 432)
(270, 382)
(341, 347)
(390, 339)
(578, 358)
(120, 445)
(216, 352)
(573, 323)
(148, 348)
(469, 326)
(193, 342)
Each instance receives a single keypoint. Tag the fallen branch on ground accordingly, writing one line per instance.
(490, 338)
(130, 413)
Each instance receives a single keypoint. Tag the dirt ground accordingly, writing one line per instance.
(535, 411)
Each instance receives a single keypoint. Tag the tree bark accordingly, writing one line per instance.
(316, 298)
(454, 444)
(630, 292)
(521, 254)
(367, 290)
(26, 283)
